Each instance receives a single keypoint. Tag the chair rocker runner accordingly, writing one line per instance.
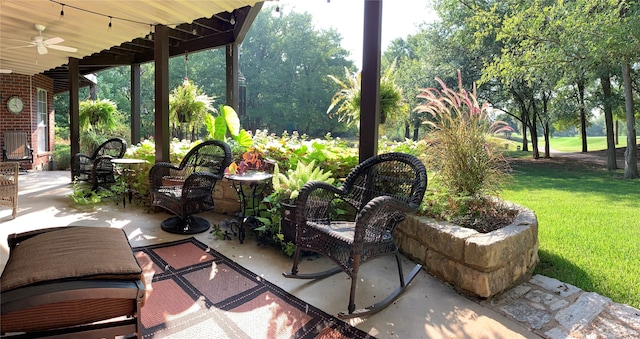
(187, 189)
(381, 189)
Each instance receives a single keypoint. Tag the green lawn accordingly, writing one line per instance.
(589, 226)
(572, 144)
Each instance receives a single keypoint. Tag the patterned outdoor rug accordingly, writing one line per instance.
(197, 292)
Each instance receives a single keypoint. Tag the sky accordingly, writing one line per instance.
(399, 19)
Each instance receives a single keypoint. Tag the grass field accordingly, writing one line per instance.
(573, 144)
(589, 226)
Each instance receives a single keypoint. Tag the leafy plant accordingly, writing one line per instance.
(346, 100)
(188, 107)
(330, 154)
(252, 160)
(286, 187)
(227, 121)
(98, 115)
(83, 194)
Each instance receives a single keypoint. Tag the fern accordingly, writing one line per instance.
(288, 185)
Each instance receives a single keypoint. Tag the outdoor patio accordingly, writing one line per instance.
(429, 308)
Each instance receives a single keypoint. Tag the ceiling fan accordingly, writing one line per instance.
(42, 44)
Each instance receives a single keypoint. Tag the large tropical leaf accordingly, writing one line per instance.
(220, 130)
(232, 120)
(244, 139)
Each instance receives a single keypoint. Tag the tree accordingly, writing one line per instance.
(286, 62)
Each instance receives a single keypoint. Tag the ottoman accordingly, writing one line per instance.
(71, 281)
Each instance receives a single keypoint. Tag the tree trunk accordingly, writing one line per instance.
(605, 81)
(547, 148)
(583, 115)
(525, 141)
(534, 129)
(407, 131)
(545, 126)
(630, 155)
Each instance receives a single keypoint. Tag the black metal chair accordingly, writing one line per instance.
(187, 189)
(381, 189)
(97, 169)
(16, 148)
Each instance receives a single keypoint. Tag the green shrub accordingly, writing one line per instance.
(62, 157)
(333, 155)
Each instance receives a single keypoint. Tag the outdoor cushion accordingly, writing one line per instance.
(96, 253)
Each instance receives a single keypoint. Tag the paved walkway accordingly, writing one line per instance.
(556, 310)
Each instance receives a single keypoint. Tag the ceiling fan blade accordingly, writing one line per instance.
(23, 46)
(63, 48)
(5, 71)
(53, 41)
(42, 49)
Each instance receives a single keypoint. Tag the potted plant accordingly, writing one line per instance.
(188, 107)
(278, 213)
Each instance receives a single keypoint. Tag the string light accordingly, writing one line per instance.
(232, 19)
(111, 17)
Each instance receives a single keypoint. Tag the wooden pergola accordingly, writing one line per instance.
(165, 40)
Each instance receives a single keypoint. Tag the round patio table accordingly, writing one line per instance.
(129, 168)
(250, 187)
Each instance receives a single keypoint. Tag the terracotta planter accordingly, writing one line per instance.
(480, 264)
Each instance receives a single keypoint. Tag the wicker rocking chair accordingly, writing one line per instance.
(187, 189)
(382, 189)
(97, 168)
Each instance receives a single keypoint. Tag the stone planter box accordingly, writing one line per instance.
(479, 264)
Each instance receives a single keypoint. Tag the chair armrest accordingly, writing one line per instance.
(103, 162)
(158, 171)
(30, 151)
(82, 155)
(314, 201)
(79, 162)
(379, 217)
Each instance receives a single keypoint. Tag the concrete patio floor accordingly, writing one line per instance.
(428, 309)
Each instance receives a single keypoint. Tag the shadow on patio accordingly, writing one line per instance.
(428, 309)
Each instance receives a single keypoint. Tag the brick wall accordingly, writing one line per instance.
(26, 87)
